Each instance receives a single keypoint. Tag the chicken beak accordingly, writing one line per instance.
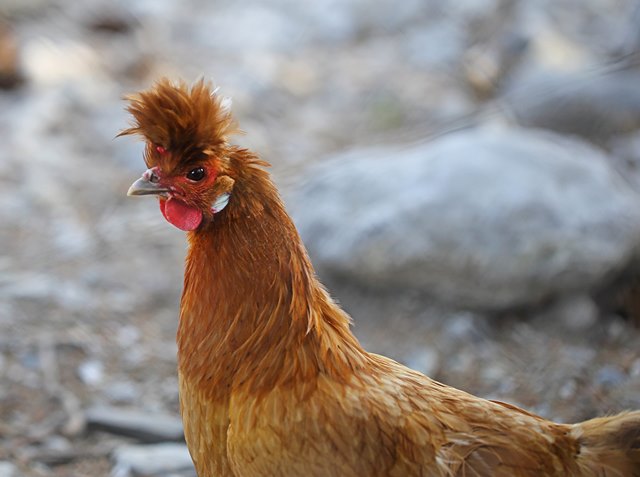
(148, 184)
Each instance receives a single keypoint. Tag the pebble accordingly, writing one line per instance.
(127, 336)
(7, 469)
(461, 326)
(122, 392)
(91, 372)
(577, 313)
(48, 62)
(142, 425)
(152, 460)
(610, 376)
(493, 372)
(568, 389)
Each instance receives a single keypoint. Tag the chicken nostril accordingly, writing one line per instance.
(151, 176)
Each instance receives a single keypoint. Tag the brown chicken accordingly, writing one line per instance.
(272, 381)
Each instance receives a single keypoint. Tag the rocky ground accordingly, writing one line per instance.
(90, 280)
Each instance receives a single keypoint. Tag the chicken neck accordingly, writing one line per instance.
(253, 314)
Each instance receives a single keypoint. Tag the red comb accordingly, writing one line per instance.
(161, 149)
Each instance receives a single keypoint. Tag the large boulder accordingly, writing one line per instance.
(492, 219)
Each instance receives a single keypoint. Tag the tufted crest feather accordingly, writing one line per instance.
(181, 119)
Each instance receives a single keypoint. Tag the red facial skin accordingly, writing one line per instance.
(180, 208)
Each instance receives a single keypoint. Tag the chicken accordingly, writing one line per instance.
(272, 381)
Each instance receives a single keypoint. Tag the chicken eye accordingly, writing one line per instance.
(196, 174)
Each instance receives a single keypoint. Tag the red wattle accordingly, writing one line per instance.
(180, 214)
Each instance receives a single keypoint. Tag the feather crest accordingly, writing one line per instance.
(182, 119)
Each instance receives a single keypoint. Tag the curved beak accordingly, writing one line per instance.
(148, 184)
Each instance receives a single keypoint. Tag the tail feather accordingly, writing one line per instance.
(609, 446)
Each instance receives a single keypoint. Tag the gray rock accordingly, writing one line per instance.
(122, 392)
(142, 425)
(7, 469)
(489, 219)
(420, 42)
(461, 327)
(576, 313)
(610, 376)
(266, 29)
(634, 370)
(625, 151)
(396, 16)
(568, 389)
(11, 8)
(150, 460)
(595, 106)
(91, 372)
(47, 63)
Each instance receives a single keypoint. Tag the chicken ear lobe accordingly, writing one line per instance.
(223, 187)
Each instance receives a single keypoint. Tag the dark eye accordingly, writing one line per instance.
(196, 174)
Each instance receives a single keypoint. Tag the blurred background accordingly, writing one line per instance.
(465, 177)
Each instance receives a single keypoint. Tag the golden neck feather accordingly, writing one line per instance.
(253, 314)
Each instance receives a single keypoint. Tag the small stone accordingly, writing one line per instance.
(616, 330)
(91, 372)
(568, 389)
(128, 335)
(460, 326)
(493, 373)
(150, 460)
(142, 425)
(634, 370)
(577, 313)
(57, 443)
(122, 392)
(7, 469)
(610, 377)
(49, 63)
